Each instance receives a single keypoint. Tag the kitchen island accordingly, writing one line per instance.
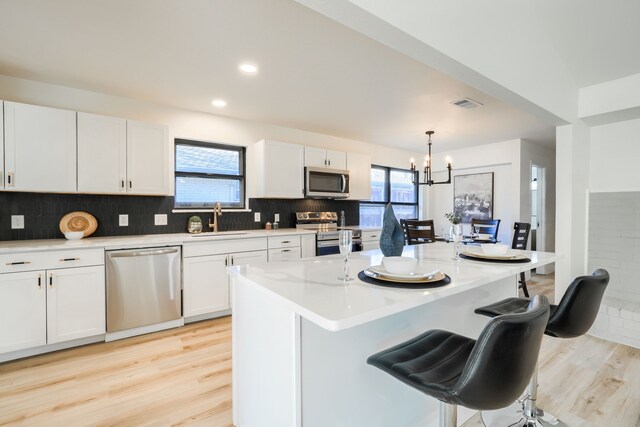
(301, 337)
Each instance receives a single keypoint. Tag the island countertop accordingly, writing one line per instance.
(311, 288)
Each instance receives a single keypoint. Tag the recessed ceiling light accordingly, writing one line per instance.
(219, 103)
(248, 68)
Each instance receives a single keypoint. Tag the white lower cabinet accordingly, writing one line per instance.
(308, 245)
(23, 311)
(75, 303)
(284, 254)
(371, 239)
(206, 289)
(50, 305)
(206, 285)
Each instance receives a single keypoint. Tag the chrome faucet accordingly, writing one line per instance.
(217, 210)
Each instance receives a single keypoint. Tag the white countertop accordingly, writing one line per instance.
(147, 240)
(311, 287)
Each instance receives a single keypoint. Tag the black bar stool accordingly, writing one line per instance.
(483, 374)
(571, 318)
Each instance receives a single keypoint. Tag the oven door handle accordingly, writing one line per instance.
(344, 183)
(327, 243)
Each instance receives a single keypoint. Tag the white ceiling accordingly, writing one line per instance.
(315, 74)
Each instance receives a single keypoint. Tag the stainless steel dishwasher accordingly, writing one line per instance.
(143, 288)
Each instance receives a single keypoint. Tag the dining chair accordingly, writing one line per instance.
(486, 226)
(520, 238)
(418, 231)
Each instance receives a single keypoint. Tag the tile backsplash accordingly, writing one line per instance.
(42, 213)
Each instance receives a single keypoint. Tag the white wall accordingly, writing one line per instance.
(503, 159)
(615, 157)
(188, 124)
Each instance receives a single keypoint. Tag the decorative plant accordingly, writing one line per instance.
(195, 219)
(453, 218)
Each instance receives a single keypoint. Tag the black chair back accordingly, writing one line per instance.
(503, 359)
(486, 226)
(520, 235)
(418, 231)
(579, 306)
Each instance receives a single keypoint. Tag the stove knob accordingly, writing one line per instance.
(306, 216)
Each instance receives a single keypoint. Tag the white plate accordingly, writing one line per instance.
(477, 253)
(416, 275)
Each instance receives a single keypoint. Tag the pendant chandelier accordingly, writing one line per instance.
(427, 180)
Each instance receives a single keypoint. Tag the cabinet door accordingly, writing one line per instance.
(336, 159)
(102, 154)
(206, 288)
(308, 246)
(40, 148)
(281, 170)
(148, 158)
(359, 166)
(75, 303)
(316, 157)
(242, 258)
(23, 300)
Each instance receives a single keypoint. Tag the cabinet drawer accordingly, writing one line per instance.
(371, 235)
(29, 261)
(223, 247)
(284, 242)
(284, 254)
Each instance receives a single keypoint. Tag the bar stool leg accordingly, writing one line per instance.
(448, 415)
(523, 413)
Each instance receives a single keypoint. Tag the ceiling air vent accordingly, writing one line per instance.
(466, 103)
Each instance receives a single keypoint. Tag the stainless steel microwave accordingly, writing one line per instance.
(326, 183)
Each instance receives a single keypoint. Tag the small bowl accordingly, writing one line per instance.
(74, 235)
(399, 264)
(494, 249)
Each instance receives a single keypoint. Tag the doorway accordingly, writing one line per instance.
(538, 220)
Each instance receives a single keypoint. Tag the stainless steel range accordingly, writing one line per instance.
(326, 225)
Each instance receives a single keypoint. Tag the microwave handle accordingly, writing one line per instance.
(344, 183)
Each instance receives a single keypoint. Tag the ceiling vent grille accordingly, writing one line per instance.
(467, 103)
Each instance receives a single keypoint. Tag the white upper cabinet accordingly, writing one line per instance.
(322, 158)
(359, 166)
(102, 154)
(40, 148)
(148, 159)
(279, 169)
(122, 156)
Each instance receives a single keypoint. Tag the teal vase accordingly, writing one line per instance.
(392, 236)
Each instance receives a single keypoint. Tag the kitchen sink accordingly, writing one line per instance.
(219, 233)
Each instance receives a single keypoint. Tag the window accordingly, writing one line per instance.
(207, 173)
(390, 185)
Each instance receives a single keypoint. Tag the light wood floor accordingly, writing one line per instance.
(183, 376)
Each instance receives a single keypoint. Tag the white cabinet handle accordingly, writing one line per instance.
(69, 259)
(40, 280)
(130, 184)
(286, 241)
(11, 181)
(286, 250)
(231, 259)
(50, 280)
(122, 184)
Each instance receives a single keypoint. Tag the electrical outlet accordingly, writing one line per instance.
(276, 217)
(17, 222)
(256, 216)
(123, 220)
(160, 219)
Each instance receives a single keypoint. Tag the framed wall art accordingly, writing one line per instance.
(473, 196)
